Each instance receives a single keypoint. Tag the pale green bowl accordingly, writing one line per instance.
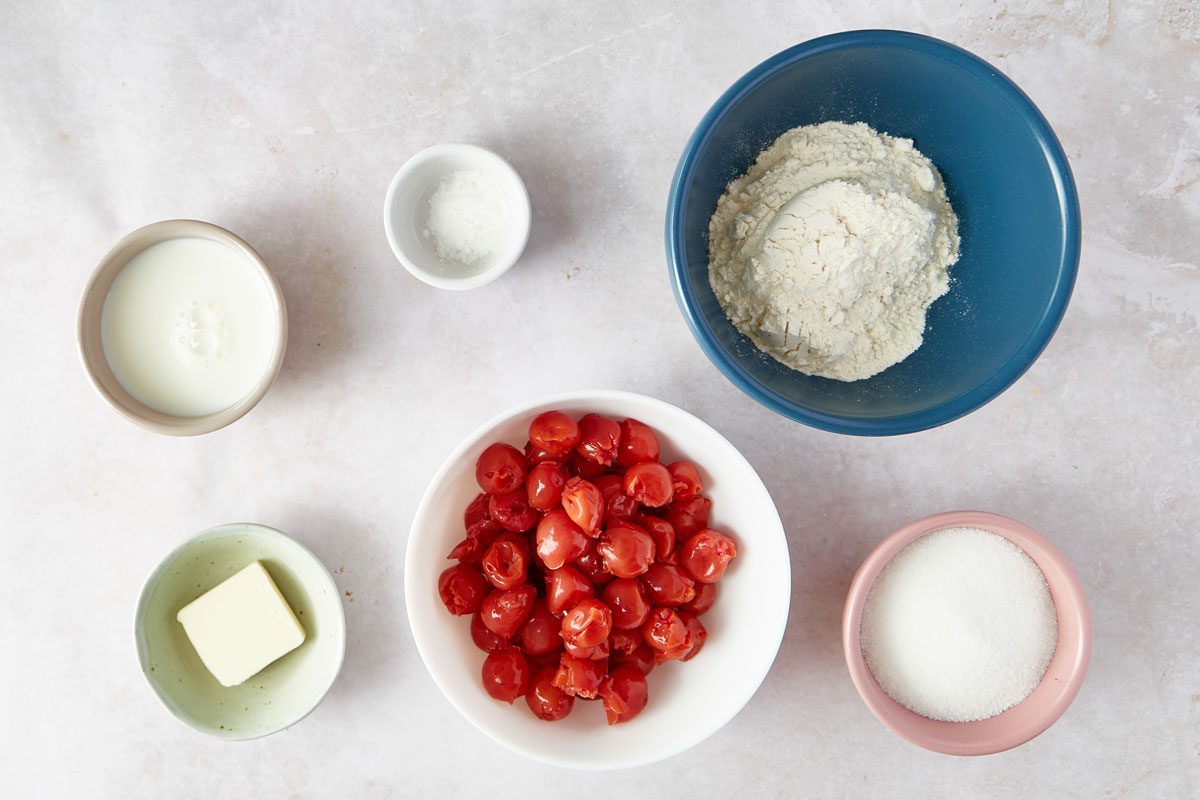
(282, 694)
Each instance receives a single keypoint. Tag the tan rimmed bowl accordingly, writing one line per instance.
(91, 347)
(1033, 715)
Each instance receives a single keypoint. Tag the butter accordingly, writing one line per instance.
(242, 625)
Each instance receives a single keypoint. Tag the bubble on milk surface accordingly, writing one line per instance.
(202, 333)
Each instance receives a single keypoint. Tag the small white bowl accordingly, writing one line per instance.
(406, 209)
(286, 691)
(688, 702)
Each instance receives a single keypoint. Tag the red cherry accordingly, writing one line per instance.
(466, 551)
(506, 565)
(520, 540)
(554, 432)
(598, 438)
(698, 633)
(617, 504)
(484, 639)
(536, 455)
(624, 642)
(661, 531)
(479, 538)
(609, 485)
(667, 634)
(628, 601)
(627, 551)
(539, 634)
(512, 511)
(624, 693)
(544, 486)
(462, 589)
(685, 480)
(564, 588)
(638, 443)
(668, 585)
(595, 652)
(588, 470)
(506, 675)
(706, 554)
(689, 516)
(500, 469)
(586, 624)
(504, 612)
(706, 596)
(547, 701)
(580, 677)
(584, 504)
(591, 564)
(649, 483)
(476, 510)
(642, 657)
(559, 540)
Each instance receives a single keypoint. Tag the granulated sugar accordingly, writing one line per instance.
(959, 626)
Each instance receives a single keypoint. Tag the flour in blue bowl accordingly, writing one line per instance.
(829, 251)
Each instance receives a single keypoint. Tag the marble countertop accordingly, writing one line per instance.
(285, 124)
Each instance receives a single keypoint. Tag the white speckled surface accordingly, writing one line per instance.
(285, 125)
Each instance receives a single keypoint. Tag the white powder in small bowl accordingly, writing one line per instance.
(959, 625)
(467, 218)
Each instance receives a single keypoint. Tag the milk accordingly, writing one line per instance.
(188, 326)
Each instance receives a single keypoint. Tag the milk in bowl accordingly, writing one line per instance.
(189, 326)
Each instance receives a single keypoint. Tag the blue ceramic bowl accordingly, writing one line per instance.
(1007, 179)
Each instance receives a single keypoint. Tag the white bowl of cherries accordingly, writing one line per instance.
(597, 546)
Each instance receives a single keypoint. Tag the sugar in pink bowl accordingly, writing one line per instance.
(1023, 721)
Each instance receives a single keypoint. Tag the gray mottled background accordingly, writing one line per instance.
(285, 122)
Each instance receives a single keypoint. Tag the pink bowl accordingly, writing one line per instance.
(1023, 721)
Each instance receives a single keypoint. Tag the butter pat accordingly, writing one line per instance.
(242, 625)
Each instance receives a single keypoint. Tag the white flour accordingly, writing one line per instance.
(828, 252)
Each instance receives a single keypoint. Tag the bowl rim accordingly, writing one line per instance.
(523, 216)
(156, 576)
(1023, 357)
(1066, 590)
(416, 626)
(89, 339)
